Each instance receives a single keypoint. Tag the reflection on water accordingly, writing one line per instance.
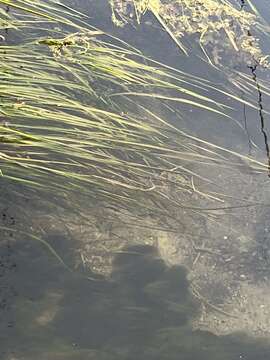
(144, 311)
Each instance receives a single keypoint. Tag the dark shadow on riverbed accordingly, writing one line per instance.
(143, 296)
(142, 312)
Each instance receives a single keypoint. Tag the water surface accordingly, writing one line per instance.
(128, 291)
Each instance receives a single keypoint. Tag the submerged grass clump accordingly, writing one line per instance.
(80, 112)
(56, 123)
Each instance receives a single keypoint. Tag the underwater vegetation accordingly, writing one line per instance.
(83, 115)
(78, 105)
(218, 26)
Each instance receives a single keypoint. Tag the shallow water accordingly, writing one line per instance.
(127, 290)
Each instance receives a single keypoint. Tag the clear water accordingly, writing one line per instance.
(147, 308)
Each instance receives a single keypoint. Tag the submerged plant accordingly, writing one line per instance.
(78, 115)
(62, 124)
(219, 26)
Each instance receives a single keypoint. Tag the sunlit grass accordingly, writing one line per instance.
(76, 114)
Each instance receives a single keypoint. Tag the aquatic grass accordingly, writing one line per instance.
(75, 116)
(52, 10)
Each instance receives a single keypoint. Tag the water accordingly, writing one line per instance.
(129, 289)
(144, 311)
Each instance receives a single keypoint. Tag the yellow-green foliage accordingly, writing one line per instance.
(78, 111)
(74, 112)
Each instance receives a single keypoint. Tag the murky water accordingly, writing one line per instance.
(127, 289)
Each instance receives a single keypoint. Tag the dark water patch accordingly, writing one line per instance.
(129, 307)
(143, 311)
